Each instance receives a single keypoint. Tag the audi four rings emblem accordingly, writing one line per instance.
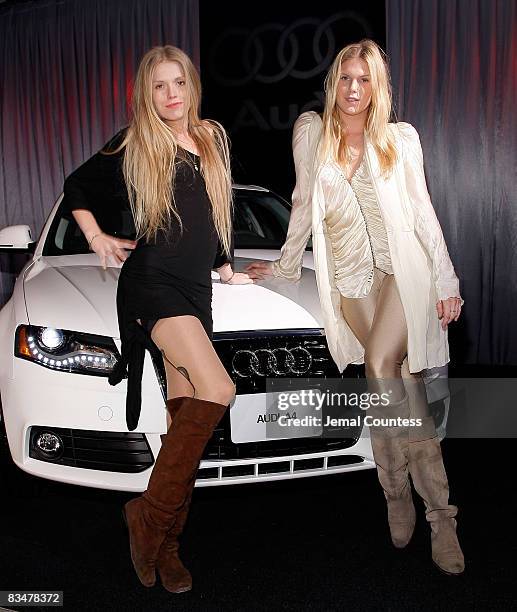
(265, 362)
(266, 62)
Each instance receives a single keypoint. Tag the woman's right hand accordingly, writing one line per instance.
(108, 246)
(259, 269)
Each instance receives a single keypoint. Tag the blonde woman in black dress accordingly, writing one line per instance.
(173, 169)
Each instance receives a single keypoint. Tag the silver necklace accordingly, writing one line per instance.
(193, 156)
(194, 161)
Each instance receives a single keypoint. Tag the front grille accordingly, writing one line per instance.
(277, 354)
(319, 366)
(97, 450)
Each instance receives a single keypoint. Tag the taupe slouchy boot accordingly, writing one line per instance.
(430, 480)
(152, 515)
(390, 447)
(391, 458)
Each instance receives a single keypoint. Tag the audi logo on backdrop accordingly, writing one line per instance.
(272, 51)
(272, 362)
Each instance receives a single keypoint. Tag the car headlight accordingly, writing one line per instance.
(69, 351)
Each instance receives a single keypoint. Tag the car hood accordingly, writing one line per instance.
(74, 292)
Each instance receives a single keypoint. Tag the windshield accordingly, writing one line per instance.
(260, 222)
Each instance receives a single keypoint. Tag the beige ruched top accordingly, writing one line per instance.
(321, 186)
(339, 232)
(353, 257)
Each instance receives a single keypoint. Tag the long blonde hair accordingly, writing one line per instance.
(333, 141)
(151, 148)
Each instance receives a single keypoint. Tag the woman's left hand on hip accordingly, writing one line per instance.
(448, 310)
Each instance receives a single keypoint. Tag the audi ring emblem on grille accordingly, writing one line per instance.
(269, 362)
(285, 56)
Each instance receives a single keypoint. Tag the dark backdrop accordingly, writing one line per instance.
(454, 70)
(264, 63)
(66, 67)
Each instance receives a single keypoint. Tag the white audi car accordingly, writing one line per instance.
(59, 340)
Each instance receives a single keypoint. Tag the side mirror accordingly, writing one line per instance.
(16, 238)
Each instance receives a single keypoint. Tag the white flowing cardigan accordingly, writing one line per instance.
(421, 264)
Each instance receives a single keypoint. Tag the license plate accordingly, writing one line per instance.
(259, 418)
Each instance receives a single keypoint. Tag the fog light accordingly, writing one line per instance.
(49, 445)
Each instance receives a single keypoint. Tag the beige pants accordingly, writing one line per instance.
(379, 323)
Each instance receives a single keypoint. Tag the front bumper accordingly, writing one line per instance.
(89, 416)
(213, 472)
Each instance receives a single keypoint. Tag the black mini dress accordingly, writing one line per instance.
(164, 277)
(172, 275)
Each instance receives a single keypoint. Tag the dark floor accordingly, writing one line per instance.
(312, 544)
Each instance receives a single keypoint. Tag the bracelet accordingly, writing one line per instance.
(92, 239)
(227, 281)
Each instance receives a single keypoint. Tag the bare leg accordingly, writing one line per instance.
(194, 367)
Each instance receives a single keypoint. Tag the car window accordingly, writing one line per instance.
(260, 221)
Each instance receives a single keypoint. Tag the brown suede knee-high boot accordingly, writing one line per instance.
(152, 515)
(174, 575)
(430, 480)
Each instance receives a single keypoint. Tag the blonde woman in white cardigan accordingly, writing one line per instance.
(386, 283)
